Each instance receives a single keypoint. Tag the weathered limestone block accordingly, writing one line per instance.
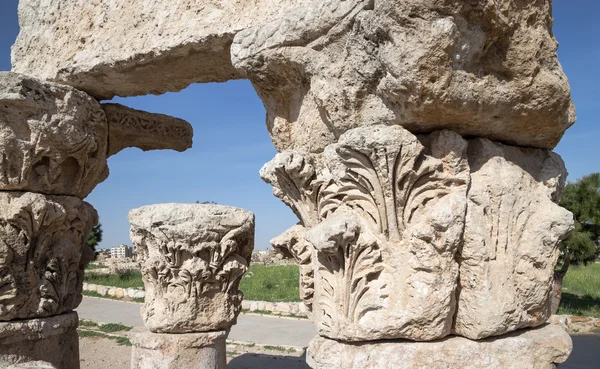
(177, 351)
(384, 215)
(192, 259)
(541, 348)
(483, 68)
(479, 68)
(129, 48)
(55, 139)
(146, 131)
(388, 219)
(42, 253)
(40, 343)
(511, 238)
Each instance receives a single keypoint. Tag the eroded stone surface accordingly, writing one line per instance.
(146, 131)
(486, 68)
(512, 232)
(53, 138)
(131, 48)
(479, 68)
(293, 244)
(541, 348)
(42, 253)
(192, 259)
(388, 218)
(40, 343)
(176, 351)
(383, 215)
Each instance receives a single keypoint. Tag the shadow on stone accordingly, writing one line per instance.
(261, 361)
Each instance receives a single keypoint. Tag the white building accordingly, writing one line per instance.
(121, 252)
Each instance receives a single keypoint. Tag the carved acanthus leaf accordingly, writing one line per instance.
(349, 259)
(41, 253)
(295, 182)
(385, 173)
(192, 259)
(292, 243)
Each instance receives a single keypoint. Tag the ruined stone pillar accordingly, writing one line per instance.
(53, 151)
(413, 141)
(420, 237)
(192, 259)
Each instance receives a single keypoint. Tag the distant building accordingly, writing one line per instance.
(102, 254)
(121, 252)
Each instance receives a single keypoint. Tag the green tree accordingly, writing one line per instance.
(94, 238)
(582, 198)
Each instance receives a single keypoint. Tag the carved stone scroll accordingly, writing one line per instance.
(42, 253)
(53, 138)
(133, 128)
(192, 259)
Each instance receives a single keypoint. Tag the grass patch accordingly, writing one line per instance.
(84, 333)
(581, 291)
(127, 279)
(261, 283)
(88, 323)
(123, 341)
(111, 328)
(271, 284)
(279, 348)
(95, 266)
(88, 329)
(96, 294)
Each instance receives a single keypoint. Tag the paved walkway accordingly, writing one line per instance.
(274, 331)
(586, 353)
(263, 330)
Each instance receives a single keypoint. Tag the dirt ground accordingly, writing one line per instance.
(104, 353)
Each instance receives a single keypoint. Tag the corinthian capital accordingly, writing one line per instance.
(192, 259)
(42, 253)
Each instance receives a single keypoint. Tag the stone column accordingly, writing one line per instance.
(192, 259)
(53, 152)
(421, 237)
(414, 142)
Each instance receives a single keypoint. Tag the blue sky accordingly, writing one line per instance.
(231, 142)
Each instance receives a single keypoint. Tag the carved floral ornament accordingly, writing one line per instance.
(192, 258)
(382, 215)
(42, 253)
